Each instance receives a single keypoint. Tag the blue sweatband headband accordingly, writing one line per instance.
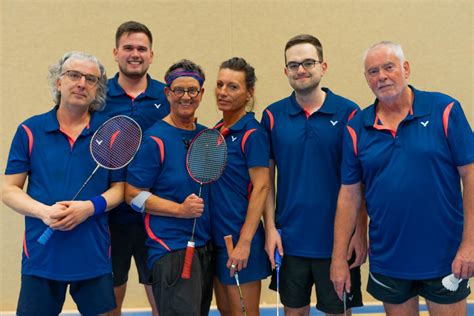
(180, 72)
(138, 202)
(100, 204)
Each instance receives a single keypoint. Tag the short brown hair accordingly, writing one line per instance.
(305, 39)
(132, 27)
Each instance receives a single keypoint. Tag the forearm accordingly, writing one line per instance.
(348, 206)
(362, 220)
(114, 195)
(468, 203)
(269, 207)
(19, 201)
(154, 205)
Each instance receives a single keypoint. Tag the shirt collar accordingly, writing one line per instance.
(328, 106)
(152, 89)
(420, 107)
(240, 124)
(52, 123)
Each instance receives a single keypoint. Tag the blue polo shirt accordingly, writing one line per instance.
(147, 108)
(307, 150)
(160, 165)
(412, 185)
(57, 167)
(247, 147)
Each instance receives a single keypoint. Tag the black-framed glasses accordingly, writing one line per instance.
(75, 75)
(307, 64)
(192, 92)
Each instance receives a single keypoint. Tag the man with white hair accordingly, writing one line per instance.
(52, 151)
(411, 149)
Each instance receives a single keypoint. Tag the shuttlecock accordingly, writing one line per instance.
(451, 283)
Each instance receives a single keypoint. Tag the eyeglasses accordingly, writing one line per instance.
(307, 64)
(75, 75)
(179, 92)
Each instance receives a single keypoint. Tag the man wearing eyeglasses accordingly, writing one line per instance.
(412, 149)
(134, 93)
(52, 151)
(305, 132)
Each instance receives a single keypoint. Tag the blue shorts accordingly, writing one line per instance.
(397, 291)
(258, 265)
(128, 240)
(299, 274)
(40, 296)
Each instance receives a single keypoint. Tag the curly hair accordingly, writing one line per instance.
(56, 71)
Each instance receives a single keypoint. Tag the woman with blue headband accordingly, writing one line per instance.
(159, 186)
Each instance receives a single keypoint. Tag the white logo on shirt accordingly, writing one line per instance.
(99, 142)
(234, 138)
(425, 123)
(350, 297)
(157, 106)
(333, 123)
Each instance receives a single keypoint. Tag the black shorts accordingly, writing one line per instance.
(128, 240)
(174, 295)
(397, 291)
(297, 276)
(40, 296)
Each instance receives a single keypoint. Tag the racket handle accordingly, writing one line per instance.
(188, 260)
(277, 256)
(229, 244)
(45, 236)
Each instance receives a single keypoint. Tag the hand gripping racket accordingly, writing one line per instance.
(229, 244)
(278, 260)
(205, 161)
(112, 146)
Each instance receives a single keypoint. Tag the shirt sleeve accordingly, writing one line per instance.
(267, 124)
(351, 169)
(460, 136)
(20, 151)
(146, 166)
(256, 148)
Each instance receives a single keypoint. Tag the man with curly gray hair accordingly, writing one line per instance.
(58, 70)
(52, 151)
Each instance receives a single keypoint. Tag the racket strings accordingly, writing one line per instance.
(114, 145)
(207, 156)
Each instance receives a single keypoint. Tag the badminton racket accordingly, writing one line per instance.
(277, 258)
(205, 162)
(112, 147)
(229, 244)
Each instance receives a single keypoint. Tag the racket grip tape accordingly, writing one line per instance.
(188, 261)
(229, 244)
(45, 236)
(277, 257)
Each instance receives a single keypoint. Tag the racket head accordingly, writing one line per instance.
(116, 142)
(207, 156)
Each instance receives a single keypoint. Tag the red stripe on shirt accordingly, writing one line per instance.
(446, 113)
(270, 117)
(25, 248)
(30, 137)
(152, 235)
(246, 136)
(353, 113)
(162, 147)
(354, 138)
